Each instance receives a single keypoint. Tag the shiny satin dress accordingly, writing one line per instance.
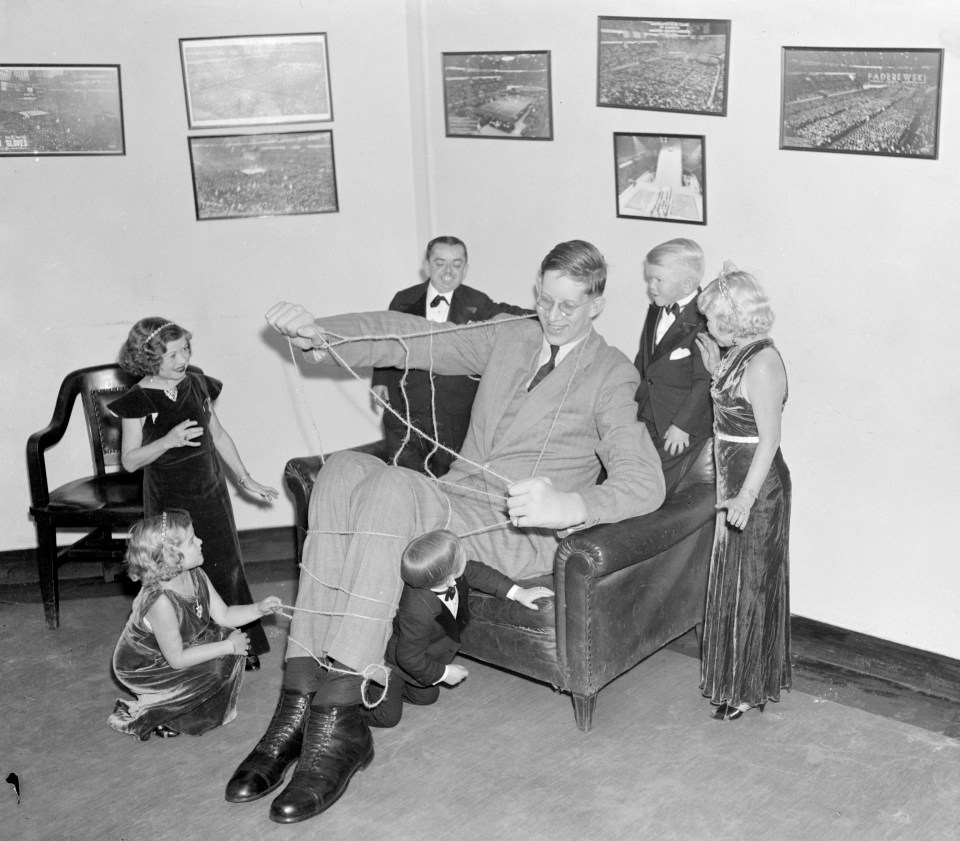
(746, 629)
(192, 478)
(192, 700)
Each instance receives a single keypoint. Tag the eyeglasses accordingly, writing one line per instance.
(546, 304)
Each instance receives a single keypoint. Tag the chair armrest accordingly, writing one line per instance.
(40, 442)
(608, 547)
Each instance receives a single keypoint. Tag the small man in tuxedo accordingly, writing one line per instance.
(443, 297)
(430, 618)
(674, 394)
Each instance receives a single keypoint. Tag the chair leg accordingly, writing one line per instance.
(47, 569)
(583, 707)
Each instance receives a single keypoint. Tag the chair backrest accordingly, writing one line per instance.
(97, 387)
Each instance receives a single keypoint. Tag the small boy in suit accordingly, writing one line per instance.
(674, 393)
(430, 618)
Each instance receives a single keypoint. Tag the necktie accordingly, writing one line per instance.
(436, 301)
(544, 369)
(449, 593)
(673, 309)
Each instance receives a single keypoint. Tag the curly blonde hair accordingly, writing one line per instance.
(142, 352)
(739, 304)
(153, 547)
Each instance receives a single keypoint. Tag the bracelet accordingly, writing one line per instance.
(242, 480)
(748, 492)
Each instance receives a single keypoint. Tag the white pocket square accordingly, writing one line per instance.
(680, 353)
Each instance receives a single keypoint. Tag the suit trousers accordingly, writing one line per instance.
(362, 515)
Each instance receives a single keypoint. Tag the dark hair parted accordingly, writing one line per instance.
(153, 552)
(580, 261)
(142, 352)
(446, 240)
(429, 559)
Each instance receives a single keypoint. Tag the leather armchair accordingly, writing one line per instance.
(623, 590)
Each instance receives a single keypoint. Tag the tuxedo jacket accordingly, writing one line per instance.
(674, 384)
(454, 394)
(426, 635)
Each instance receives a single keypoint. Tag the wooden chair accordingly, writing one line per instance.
(109, 500)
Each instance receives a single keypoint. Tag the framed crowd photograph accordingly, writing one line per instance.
(661, 177)
(861, 101)
(503, 95)
(663, 64)
(61, 109)
(256, 80)
(280, 174)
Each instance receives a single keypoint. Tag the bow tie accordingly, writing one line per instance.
(436, 301)
(449, 593)
(673, 309)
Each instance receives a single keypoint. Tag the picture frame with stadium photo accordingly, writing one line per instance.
(660, 178)
(271, 174)
(663, 64)
(256, 80)
(61, 109)
(861, 101)
(501, 95)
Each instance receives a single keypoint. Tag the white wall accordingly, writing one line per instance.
(855, 251)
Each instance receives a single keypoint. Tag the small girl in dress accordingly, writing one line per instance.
(179, 652)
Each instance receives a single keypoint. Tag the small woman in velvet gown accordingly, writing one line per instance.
(171, 431)
(746, 629)
(179, 652)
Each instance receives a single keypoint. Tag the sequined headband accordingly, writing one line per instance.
(163, 528)
(146, 341)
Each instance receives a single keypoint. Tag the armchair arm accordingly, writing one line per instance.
(39, 442)
(609, 547)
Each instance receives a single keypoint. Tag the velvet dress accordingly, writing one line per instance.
(746, 629)
(192, 700)
(192, 478)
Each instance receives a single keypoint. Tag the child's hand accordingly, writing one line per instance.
(454, 674)
(240, 642)
(676, 440)
(709, 351)
(271, 604)
(527, 596)
(248, 483)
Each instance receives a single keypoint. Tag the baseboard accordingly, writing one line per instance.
(913, 668)
(278, 543)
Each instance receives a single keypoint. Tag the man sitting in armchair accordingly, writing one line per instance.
(555, 404)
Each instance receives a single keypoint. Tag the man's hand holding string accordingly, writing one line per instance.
(297, 324)
(535, 503)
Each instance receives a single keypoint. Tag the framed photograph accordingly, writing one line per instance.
(256, 80)
(661, 177)
(864, 101)
(503, 95)
(663, 64)
(61, 109)
(285, 174)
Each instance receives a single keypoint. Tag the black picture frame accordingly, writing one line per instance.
(256, 80)
(663, 64)
(861, 101)
(501, 95)
(272, 174)
(61, 109)
(661, 177)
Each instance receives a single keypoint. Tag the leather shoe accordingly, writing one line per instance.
(252, 664)
(264, 768)
(336, 744)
